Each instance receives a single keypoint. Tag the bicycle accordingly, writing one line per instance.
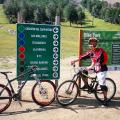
(67, 91)
(43, 91)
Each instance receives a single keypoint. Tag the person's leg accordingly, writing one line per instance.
(85, 79)
(102, 82)
(104, 89)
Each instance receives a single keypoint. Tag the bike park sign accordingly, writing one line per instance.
(109, 40)
(39, 44)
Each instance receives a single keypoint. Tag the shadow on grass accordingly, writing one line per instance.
(84, 26)
(89, 26)
(79, 103)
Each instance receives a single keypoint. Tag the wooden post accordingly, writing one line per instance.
(56, 83)
(80, 53)
(57, 22)
(20, 95)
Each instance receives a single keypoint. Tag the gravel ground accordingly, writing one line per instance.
(84, 108)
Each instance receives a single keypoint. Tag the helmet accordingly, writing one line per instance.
(92, 41)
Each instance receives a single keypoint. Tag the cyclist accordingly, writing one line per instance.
(99, 60)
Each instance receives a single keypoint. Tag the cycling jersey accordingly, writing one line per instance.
(98, 56)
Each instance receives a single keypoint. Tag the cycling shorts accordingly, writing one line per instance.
(101, 77)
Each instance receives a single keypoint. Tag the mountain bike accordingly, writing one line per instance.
(43, 91)
(67, 91)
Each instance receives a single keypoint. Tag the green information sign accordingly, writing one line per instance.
(109, 40)
(39, 45)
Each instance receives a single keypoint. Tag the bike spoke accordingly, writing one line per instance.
(67, 92)
(43, 93)
(110, 92)
(5, 98)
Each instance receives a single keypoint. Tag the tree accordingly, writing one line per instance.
(39, 14)
(11, 8)
(117, 5)
(2, 1)
(108, 15)
(117, 16)
(84, 3)
(81, 15)
(51, 11)
(70, 13)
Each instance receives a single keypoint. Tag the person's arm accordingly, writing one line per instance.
(84, 56)
(91, 66)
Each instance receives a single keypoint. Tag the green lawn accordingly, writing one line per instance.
(7, 40)
(69, 35)
(100, 24)
(3, 19)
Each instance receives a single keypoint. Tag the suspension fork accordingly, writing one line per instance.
(74, 80)
(38, 81)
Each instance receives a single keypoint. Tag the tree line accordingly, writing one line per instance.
(44, 11)
(1, 1)
(103, 10)
(41, 11)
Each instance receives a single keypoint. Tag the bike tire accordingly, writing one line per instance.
(110, 93)
(5, 102)
(64, 96)
(48, 96)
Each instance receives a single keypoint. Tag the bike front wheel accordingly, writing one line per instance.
(67, 92)
(111, 86)
(43, 92)
(5, 98)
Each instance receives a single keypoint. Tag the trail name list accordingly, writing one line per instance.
(42, 48)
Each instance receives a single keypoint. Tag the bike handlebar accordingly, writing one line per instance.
(79, 68)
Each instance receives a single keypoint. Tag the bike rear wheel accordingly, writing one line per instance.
(45, 94)
(110, 93)
(5, 98)
(67, 92)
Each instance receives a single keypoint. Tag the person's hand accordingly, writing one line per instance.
(89, 68)
(72, 62)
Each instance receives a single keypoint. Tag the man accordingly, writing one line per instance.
(99, 60)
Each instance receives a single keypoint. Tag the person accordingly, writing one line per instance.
(99, 60)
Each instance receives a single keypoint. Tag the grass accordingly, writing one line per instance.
(7, 41)
(69, 40)
(69, 35)
(3, 18)
(100, 24)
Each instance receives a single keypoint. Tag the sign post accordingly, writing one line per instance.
(39, 45)
(109, 40)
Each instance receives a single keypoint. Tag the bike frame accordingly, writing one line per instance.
(23, 83)
(78, 75)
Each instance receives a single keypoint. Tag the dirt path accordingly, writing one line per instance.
(84, 108)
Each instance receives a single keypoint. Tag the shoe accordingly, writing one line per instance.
(103, 106)
(105, 103)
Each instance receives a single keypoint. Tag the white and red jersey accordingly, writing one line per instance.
(98, 55)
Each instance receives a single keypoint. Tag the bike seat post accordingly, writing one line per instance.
(5, 74)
